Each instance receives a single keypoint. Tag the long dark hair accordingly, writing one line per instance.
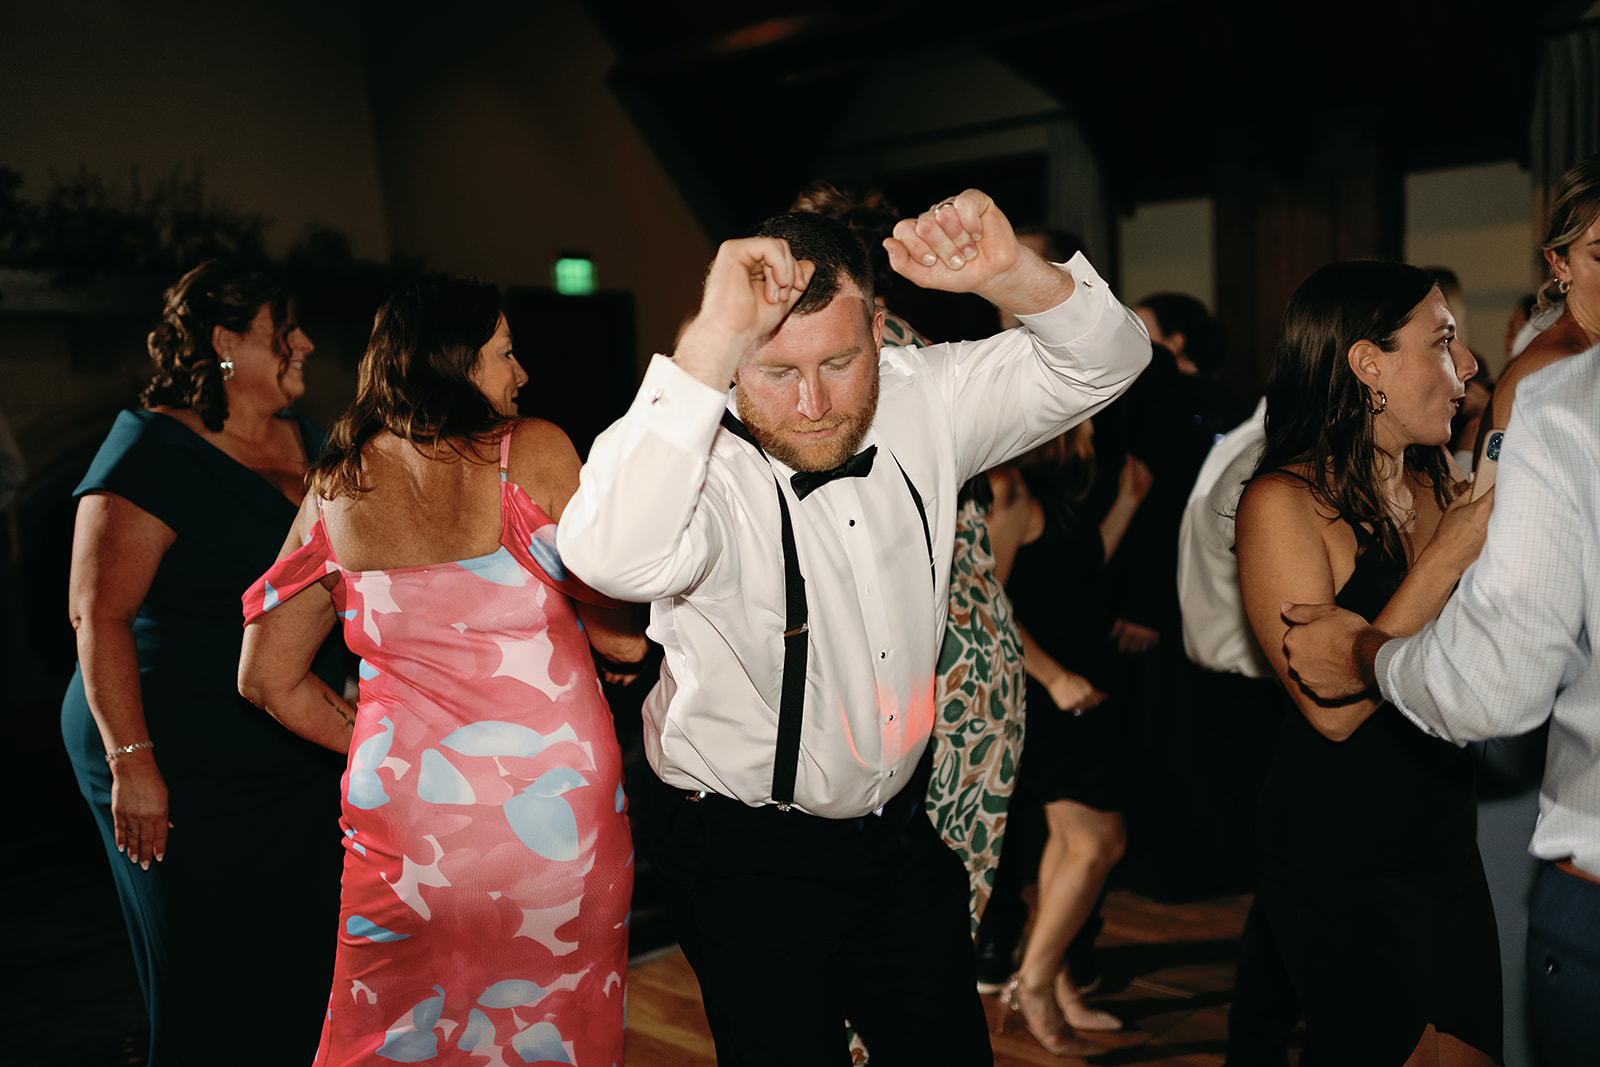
(216, 293)
(1318, 411)
(415, 379)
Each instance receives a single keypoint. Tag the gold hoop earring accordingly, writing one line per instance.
(1381, 406)
(1563, 286)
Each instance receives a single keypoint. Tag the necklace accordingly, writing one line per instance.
(1402, 515)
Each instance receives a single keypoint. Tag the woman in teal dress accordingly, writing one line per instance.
(222, 829)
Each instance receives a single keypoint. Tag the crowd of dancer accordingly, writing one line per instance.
(906, 590)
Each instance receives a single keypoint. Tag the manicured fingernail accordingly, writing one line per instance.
(145, 865)
(956, 262)
(160, 856)
(970, 252)
(929, 260)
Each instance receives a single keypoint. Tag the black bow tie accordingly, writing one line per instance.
(857, 466)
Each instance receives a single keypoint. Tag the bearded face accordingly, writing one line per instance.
(810, 391)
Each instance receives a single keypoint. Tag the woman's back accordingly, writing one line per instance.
(434, 505)
(483, 806)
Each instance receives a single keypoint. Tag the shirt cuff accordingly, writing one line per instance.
(1074, 318)
(1389, 666)
(677, 407)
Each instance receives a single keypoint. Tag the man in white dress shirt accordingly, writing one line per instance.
(1514, 647)
(796, 695)
(1238, 708)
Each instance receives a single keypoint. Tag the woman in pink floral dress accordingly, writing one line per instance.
(488, 862)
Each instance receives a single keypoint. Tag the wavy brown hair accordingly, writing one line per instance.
(1318, 411)
(216, 293)
(415, 380)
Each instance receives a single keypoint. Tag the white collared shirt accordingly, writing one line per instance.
(1216, 633)
(673, 510)
(1514, 645)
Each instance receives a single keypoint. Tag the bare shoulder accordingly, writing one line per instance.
(539, 439)
(544, 463)
(1561, 340)
(306, 519)
(1281, 496)
(1549, 347)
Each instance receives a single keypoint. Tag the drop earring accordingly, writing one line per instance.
(227, 369)
(1381, 405)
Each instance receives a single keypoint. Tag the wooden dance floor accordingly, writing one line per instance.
(1168, 974)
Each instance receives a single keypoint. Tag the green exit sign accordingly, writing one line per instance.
(574, 275)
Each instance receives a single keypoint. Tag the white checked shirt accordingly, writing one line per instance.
(1514, 645)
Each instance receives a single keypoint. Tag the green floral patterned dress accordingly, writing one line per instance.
(977, 734)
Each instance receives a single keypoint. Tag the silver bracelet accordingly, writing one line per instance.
(114, 754)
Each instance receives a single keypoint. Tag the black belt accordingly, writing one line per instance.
(898, 809)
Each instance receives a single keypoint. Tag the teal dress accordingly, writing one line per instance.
(233, 933)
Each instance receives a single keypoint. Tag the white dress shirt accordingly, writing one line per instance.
(1216, 633)
(1514, 644)
(673, 510)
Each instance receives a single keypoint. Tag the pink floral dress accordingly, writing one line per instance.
(488, 862)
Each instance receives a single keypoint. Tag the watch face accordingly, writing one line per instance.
(1491, 450)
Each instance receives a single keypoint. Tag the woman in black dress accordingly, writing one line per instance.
(1371, 881)
(1071, 752)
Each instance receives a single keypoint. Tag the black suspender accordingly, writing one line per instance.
(796, 628)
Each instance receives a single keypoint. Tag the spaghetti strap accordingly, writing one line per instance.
(505, 454)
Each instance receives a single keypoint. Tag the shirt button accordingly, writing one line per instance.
(891, 718)
(852, 522)
(891, 774)
(883, 655)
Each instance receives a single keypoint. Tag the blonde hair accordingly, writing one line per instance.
(1576, 207)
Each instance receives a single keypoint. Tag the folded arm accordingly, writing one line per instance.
(279, 647)
(1284, 558)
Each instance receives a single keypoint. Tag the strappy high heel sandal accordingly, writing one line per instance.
(1041, 1017)
(1078, 1014)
